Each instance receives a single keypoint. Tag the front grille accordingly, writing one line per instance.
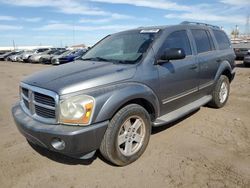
(39, 103)
(25, 92)
(44, 99)
(26, 103)
(44, 112)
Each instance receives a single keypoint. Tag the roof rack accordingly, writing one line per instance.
(198, 23)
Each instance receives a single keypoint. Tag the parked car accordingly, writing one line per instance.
(127, 83)
(36, 57)
(7, 57)
(241, 49)
(68, 57)
(46, 59)
(26, 56)
(246, 60)
(4, 55)
(15, 56)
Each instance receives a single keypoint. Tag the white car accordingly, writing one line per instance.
(15, 56)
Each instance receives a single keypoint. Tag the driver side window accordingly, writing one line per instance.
(178, 39)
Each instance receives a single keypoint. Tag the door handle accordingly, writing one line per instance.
(194, 67)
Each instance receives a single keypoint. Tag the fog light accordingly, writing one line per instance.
(58, 144)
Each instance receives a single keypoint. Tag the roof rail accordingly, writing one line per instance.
(198, 23)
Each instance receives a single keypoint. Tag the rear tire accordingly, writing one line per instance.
(127, 135)
(220, 93)
(246, 64)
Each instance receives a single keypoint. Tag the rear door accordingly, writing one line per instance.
(207, 58)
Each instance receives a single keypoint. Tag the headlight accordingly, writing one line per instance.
(77, 110)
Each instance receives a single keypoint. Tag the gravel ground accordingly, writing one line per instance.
(209, 148)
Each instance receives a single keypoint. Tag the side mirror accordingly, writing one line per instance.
(172, 54)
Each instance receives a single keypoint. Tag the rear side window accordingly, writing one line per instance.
(178, 39)
(202, 41)
(222, 40)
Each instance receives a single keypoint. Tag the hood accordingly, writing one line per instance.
(80, 75)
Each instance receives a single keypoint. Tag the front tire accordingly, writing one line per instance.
(127, 135)
(221, 92)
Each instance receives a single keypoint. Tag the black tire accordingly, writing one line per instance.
(246, 64)
(110, 149)
(216, 102)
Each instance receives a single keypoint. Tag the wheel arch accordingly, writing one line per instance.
(131, 94)
(224, 69)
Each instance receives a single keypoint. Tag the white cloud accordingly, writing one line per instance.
(94, 21)
(157, 4)
(9, 27)
(54, 21)
(111, 18)
(207, 17)
(236, 2)
(64, 6)
(34, 19)
(70, 27)
(221, 12)
(7, 18)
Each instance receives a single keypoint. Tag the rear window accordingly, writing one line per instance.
(222, 40)
(202, 41)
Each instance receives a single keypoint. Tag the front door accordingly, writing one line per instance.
(178, 78)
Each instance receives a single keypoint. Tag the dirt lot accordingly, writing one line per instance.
(210, 148)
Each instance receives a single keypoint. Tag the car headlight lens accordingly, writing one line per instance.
(77, 110)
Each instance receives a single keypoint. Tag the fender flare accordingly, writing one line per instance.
(224, 66)
(122, 94)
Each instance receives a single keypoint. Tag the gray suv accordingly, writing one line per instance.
(126, 84)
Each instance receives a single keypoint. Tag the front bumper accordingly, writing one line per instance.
(79, 141)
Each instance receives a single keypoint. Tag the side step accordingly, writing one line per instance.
(181, 112)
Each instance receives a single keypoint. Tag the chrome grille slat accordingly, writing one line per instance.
(44, 105)
(25, 92)
(25, 97)
(46, 113)
(40, 98)
(39, 103)
(26, 103)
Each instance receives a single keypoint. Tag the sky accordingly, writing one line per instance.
(65, 22)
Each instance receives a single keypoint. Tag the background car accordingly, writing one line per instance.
(36, 57)
(26, 56)
(241, 50)
(14, 56)
(7, 57)
(2, 56)
(46, 58)
(246, 61)
(68, 57)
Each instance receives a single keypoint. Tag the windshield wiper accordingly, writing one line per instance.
(95, 59)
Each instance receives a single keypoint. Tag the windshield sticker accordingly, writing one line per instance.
(150, 31)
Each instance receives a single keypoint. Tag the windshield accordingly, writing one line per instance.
(121, 48)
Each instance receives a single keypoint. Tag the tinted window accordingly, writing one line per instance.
(126, 47)
(222, 39)
(202, 41)
(178, 39)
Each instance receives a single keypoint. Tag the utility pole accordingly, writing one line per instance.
(247, 29)
(14, 45)
(74, 33)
